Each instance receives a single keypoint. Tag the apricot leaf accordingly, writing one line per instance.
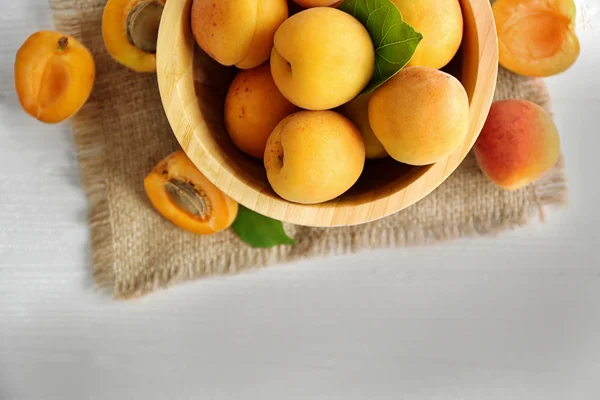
(394, 40)
(258, 230)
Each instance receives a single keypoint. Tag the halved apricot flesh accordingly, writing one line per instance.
(183, 195)
(536, 37)
(54, 75)
(130, 31)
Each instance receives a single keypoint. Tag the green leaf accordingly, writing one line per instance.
(394, 40)
(258, 230)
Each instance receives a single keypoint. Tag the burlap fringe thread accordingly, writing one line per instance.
(549, 190)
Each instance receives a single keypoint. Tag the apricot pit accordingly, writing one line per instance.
(130, 32)
(185, 197)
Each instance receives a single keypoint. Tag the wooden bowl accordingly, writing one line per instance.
(193, 88)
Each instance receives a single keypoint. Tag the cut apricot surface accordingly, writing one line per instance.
(54, 76)
(536, 37)
(130, 31)
(183, 195)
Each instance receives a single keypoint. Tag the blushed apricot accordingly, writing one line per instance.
(536, 37)
(54, 76)
(130, 31)
(182, 195)
(253, 108)
(420, 115)
(237, 32)
(518, 144)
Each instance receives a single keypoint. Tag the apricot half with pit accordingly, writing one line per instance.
(185, 197)
(536, 37)
(54, 76)
(130, 31)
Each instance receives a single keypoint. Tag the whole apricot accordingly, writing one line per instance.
(314, 156)
(318, 3)
(441, 24)
(54, 76)
(357, 110)
(420, 115)
(518, 144)
(536, 37)
(322, 58)
(253, 108)
(237, 32)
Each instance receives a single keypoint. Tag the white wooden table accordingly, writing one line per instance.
(517, 317)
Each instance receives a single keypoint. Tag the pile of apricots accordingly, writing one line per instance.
(296, 100)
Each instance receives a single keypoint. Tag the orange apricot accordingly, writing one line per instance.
(54, 76)
(318, 3)
(253, 108)
(183, 195)
(536, 37)
(237, 32)
(518, 144)
(130, 31)
(357, 110)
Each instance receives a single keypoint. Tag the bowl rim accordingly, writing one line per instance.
(175, 73)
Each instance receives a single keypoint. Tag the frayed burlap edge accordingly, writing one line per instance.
(90, 146)
(550, 190)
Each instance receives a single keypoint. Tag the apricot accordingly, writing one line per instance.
(357, 110)
(183, 196)
(237, 32)
(318, 3)
(322, 58)
(518, 144)
(253, 108)
(441, 24)
(130, 31)
(420, 115)
(54, 76)
(314, 156)
(536, 37)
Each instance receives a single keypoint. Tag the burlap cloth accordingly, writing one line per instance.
(122, 132)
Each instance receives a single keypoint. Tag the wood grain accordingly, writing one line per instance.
(193, 86)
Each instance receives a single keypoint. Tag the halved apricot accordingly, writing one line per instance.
(182, 195)
(54, 75)
(130, 31)
(536, 37)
